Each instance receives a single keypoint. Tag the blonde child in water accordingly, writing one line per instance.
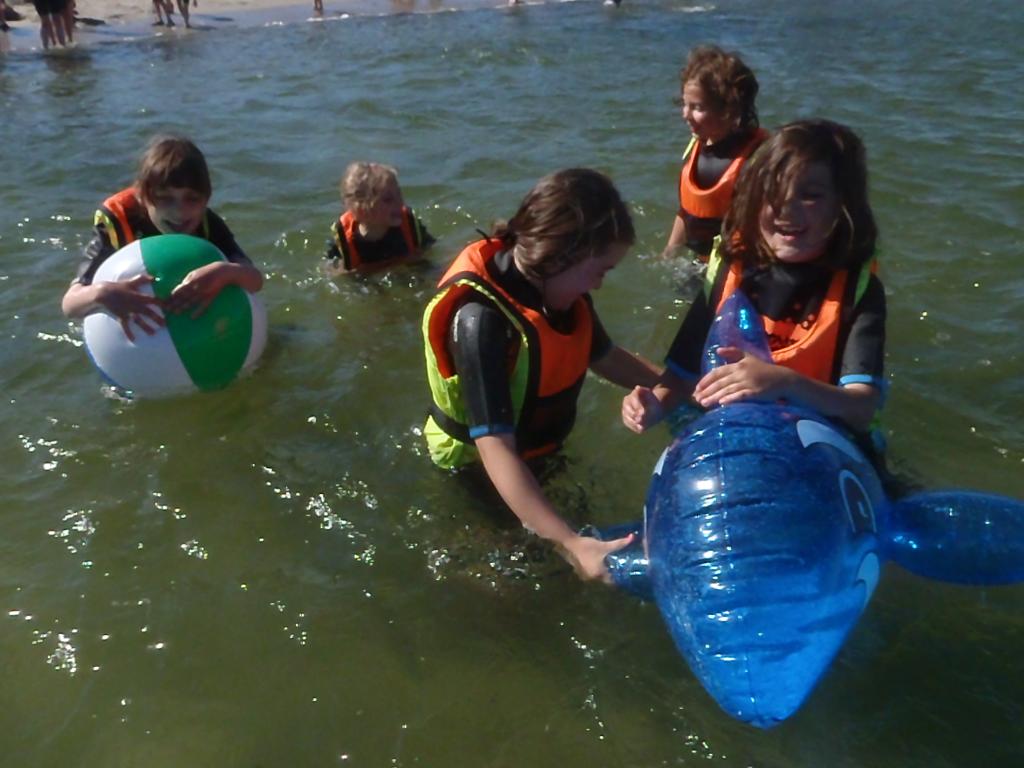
(799, 241)
(509, 339)
(717, 97)
(376, 229)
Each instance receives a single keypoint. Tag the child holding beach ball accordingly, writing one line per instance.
(159, 254)
(717, 99)
(376, 230)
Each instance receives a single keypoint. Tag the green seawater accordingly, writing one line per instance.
(274, 575)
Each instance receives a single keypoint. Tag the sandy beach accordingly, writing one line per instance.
(111, 20)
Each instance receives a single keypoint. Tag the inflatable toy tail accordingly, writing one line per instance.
(960, 537)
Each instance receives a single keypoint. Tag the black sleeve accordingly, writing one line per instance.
(333, 252)
(684, 356)
(863, 358)
(423, 238)
(221, 236)
(601, 343)
(482, 340)
(95, 253)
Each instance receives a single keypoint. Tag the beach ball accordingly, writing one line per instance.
(188, 354)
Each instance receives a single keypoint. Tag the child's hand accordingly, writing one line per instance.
(128, 304)
(641, 409)
(745, 377)
(586, 555)
(199, 288)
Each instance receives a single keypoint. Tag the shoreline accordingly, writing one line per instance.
(111, 21)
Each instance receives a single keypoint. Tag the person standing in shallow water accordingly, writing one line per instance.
(51, 22)
(377, 229)
(717, 94)
(509, 339)
(170, 196)
(799, 241)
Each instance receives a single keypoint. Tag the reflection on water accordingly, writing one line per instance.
(275, 574)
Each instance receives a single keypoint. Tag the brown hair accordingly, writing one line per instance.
(363, 183)
(768, 176)
(728, 84)
(172, 161)
(568, 216)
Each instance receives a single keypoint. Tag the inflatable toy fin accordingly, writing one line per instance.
(957, 536)
(737, 325)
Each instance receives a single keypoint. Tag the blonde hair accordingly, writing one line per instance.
(364, 183)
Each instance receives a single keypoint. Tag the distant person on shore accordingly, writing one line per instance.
(52, 28)
(170, 195)
(163, 7)
(509, 339)
(717, 98)
(183, 10)
(377, 229)
(4, 28)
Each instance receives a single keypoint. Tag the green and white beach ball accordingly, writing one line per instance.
(188, 354)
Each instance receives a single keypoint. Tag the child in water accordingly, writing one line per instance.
(376, 230)
(717, 99)
(509, 339)
(799, 241)
(170, 195)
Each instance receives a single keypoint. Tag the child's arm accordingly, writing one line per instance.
(676, 239)
(747, 377)
(646, 406)
(201, 286)
(122, 299)
(619, 366)
(523, 495)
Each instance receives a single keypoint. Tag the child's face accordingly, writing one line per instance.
(386, 210)
(564, 288)
(708, 124)
(800, 231)
(176, 209)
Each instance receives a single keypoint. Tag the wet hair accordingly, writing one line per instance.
(172, 161)
(768, 176)
(363, 183)
(568, 216)
(729, 85)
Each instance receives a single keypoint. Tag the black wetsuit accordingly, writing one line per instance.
(484, 345)
(794, 292)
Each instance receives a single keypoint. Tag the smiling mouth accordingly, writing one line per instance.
(790, 232)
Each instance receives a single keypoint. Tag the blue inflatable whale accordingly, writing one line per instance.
(764, 531)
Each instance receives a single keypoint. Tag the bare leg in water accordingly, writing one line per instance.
(183, 9)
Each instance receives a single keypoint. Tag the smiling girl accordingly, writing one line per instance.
(509, 339)
(717, 101)
(799, 240)
(170, 195)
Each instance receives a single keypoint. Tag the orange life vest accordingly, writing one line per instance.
(550, 367)
(119, 210)
(348, 227)
(712, 203)
(809, 347)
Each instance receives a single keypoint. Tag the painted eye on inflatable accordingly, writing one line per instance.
(188, 354)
